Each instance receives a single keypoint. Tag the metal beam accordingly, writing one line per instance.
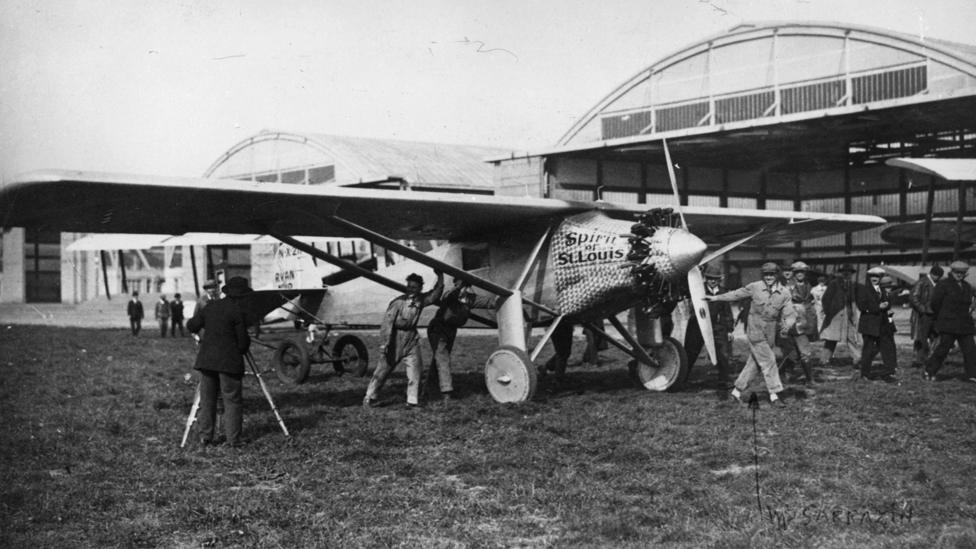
(103, 257)
(545, 338)
(638, 351)
(520, 283)
(927, 230)
(957, 245)
(193, 267)
(125, 282)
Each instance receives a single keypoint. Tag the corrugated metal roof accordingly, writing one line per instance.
(360, 159)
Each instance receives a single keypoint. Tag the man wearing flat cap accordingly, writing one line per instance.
(840, 316)
(210, 294)
(221, 360)
(875, 326)
(769, 307)
(722, 323)
(922, 321)
(796, 347)
(952, 305)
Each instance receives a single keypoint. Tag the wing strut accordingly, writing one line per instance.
(533, 257)
(545, 338)
(637, 350)
(425, 259)
(352, 267)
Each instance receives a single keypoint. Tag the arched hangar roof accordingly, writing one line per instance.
(787, 74)
(311, 158)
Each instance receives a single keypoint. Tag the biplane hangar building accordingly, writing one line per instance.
(787, 115)
(794, 116)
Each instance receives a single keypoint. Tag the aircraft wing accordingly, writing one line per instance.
(119, 203)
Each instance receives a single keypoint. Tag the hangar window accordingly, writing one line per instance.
(742, 66)
(623, 125)
(42, 266)
(681, 81)
(682, 116)
(744, 107)
(820, 95)
(889, 85)
(800, 58)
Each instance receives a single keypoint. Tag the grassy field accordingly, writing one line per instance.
(92, 421)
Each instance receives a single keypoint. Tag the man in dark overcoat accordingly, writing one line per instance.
(176, 316)
(136, 313)
(875, 325)
(840, 316)
(922, 319)
(221, 360)
(722, 322)
(952, 303)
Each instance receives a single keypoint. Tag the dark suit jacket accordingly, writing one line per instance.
(225, 338)
(950, 303)
(874, 319)
(134, 310)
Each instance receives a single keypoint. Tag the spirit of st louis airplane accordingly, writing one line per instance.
(550, 261)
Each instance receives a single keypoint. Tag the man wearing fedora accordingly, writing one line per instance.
(840, 316)
(922, 317)
(722, 323)
(769, 308)
(221, 360)
(952, 305)
(875, 325)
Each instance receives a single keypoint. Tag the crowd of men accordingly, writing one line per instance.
(780, 311)
(169, 314)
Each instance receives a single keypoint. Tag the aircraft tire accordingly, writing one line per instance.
(671, 373)
(352, 352)
(510, 375)
(292, 362)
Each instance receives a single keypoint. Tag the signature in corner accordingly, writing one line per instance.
(482, 49)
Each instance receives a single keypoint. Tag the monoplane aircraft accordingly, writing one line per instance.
(550, 261)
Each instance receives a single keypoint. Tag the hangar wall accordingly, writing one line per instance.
(878, 190)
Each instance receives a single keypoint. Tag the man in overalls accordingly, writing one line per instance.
(399, 340)
(770, 306)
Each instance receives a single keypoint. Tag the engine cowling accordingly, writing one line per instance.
(599, 261)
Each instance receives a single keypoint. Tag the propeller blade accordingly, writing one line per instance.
(724, 249)
(674, 184)
(696, 287)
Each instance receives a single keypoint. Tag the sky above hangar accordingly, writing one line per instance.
(165, 87)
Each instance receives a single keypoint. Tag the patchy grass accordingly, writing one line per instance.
(92, 421)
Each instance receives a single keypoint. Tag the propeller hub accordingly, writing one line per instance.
(685, 250)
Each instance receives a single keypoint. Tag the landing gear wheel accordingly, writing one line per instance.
(669, 374)
(350, 355)
(291, 362)
(510, 375)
